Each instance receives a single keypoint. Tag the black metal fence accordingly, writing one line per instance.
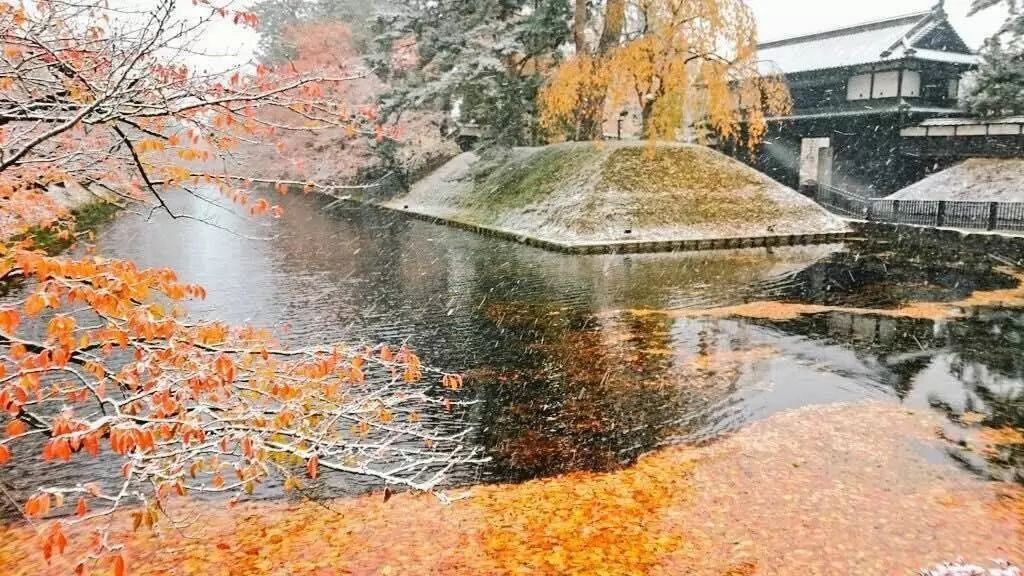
(950, 213)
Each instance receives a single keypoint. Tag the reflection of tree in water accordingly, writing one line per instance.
(901, 348)
(590, 395)
(993, 339)
(988, 359)
(985, 355)
(595, 393)
(890, 279)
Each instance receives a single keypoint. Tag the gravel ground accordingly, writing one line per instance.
(977, 179)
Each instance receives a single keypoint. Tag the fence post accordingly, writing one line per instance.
(868, 212)
(896, 211)
(940, 214)
(993, 214)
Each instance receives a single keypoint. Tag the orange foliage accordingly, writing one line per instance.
(271, 404)
(96, 358)
(583, 523)
(693, 64)
(702, 511)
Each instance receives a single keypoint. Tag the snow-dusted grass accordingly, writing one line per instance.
(976, 179)
(609, 192)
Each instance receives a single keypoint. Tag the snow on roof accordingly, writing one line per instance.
(976, 179)
(878, 41)
(942, 56)
(960, 121)
(867, 111)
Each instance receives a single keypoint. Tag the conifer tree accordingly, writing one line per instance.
(481, 61)
(999, 85)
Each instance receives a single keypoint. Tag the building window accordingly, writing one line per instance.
(859, 87)
(953, 88)
(911, 87)
(886, 84)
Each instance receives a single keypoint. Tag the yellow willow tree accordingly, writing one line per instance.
(680, 62)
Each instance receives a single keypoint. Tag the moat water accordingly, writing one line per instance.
(587, 362)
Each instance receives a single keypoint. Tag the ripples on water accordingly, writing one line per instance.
(568, 373)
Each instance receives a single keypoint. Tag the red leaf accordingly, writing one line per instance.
(119, 565)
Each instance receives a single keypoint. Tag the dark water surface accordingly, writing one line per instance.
(585, 362)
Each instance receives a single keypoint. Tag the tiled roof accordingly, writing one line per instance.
(879, 41)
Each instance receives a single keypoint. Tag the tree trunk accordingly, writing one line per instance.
(579, 26)
(590, 116)
(591, 125)
(646, 111)
(614, 18)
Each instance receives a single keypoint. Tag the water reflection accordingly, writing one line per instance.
(567, 378)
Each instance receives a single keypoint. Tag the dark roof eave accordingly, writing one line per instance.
(893, 62)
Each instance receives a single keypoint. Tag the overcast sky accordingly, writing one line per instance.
(784, 18)
(777, 19)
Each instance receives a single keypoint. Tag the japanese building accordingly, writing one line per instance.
(854, 90)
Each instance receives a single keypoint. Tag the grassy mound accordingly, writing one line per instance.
(601, 192)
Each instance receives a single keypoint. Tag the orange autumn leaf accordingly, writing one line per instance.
(15, 428)
(313, 466)
(9, 320)
(34, 304)
(60, 327)
(37, 505)
(225, 367)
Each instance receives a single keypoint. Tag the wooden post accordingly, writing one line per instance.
(993, 215)
(940, 214)
(896, 211)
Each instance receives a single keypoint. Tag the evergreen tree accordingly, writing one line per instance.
(483, 60)
(999, 87)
